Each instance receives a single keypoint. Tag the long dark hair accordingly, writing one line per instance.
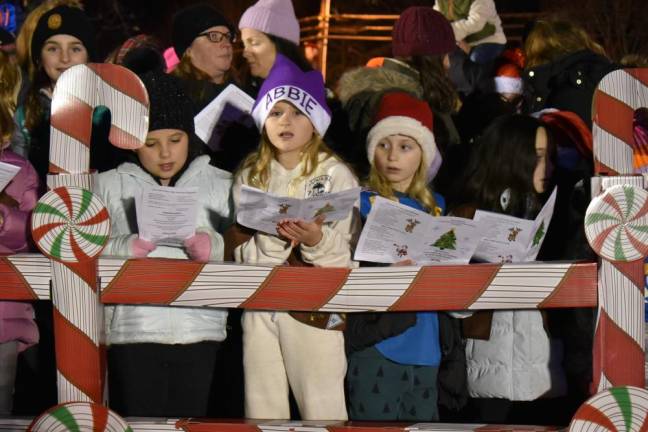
(292, 51)
(505, 158)
(438, 90)
(288, 49)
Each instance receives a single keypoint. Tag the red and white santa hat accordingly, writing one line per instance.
(399, 113)
(508, 79)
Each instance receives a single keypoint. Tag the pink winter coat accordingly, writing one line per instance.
(17, 319)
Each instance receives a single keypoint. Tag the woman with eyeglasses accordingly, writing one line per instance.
(202, 39)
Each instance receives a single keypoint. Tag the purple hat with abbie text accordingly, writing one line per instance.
(305, 90)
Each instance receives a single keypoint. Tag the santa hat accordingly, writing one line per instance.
(508, 79)
(305, 90)
(399, 113)
(569, 130)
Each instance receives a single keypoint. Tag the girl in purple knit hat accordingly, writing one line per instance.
(303, 350)
(17, 200)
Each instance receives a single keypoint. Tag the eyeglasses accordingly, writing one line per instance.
(217, 37)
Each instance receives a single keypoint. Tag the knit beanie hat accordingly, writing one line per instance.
(141, 53)
(508, 79)
(421, 30)
(275, 17)
(170, 108)
(66, 20)
(403, 114)
(188, 23)
(305, 90)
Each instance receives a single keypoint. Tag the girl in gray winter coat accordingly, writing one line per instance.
(162, 359)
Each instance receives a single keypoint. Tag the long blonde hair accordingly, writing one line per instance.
(554, 38)
(9, 87)
(259, 161)
(418, 188)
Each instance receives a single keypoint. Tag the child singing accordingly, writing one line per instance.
(292, 160)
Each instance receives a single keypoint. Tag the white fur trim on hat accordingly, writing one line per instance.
(504, 84)
(401, 125)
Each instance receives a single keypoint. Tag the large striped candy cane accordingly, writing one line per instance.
(616, 225)
(617, 97)
(70, 224)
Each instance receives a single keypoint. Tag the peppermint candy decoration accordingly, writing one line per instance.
(615, 409)
(616, 224)
(79, 417)
(70, 225)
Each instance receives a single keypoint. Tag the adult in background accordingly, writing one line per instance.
(269, 27)
(564, 66)
(202, 39)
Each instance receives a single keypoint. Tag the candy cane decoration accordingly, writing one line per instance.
(617, 97)
(452, 287)
(79, 416)
(617, 224)
(78, 92)
(70, 224)
(616, 228)
(622, 244)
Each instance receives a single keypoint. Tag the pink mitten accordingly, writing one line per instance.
(140, 248)
(199, 247)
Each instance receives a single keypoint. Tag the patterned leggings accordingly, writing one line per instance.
(381, 390)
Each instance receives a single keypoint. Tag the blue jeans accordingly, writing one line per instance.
(486, 52)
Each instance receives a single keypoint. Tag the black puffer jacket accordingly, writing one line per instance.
(566, 84)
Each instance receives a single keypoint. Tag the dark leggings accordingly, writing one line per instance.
(158, 380)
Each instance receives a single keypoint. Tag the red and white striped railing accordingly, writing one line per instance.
(81, 282)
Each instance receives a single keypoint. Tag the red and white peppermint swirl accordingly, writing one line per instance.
(616, 224)
(70, 225)
(78, 417)
(615, 409)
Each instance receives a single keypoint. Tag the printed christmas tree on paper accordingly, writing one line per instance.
(447, 241)
(537, 237)
(327, 208)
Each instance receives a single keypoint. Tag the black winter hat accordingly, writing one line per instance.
(170, 108)
(63, 20)
(190, 22)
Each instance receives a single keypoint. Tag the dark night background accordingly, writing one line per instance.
(618, 25)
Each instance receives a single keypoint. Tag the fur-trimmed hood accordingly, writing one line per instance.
(392, 75)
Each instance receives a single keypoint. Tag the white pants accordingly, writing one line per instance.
(278, 350)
